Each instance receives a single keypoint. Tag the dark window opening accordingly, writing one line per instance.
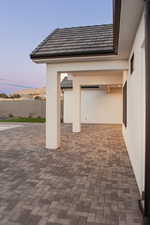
(125, 104)
(132, 64)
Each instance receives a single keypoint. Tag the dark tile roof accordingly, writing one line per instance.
(75, 41)
(65, 84)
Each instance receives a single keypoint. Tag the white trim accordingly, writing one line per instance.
(118, 65)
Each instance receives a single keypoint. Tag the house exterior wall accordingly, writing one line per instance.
(134, 134)
(97, 106)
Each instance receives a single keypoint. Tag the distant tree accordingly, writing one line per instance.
(11, 115)
(3, 95)
(37, 98)
(15, 96)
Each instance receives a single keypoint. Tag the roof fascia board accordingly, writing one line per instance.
(74, 54)
(79, 59)
(116, 23)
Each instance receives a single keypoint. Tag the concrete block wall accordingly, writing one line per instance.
(23, 108)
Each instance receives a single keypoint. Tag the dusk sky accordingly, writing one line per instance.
(24, 24)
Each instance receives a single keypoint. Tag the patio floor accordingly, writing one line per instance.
(88, 181)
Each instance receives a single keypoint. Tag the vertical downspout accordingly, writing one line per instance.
(147, 136)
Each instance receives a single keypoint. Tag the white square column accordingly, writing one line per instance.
(52, 109)
(76, 127)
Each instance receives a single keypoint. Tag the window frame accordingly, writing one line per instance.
(132, 64)
(125, 104)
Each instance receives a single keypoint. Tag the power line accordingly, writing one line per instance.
(2, 78)
(15, 83)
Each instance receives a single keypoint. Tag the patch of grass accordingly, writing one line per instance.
(25, 120)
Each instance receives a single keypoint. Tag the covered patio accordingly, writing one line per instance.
(88, 55)
(88, 181)
(104, 49)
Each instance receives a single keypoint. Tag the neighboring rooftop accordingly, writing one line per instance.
(32, 91)
(66, 83)
(76, 41)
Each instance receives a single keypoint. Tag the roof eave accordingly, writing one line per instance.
(73, 54)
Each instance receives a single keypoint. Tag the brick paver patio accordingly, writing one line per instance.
(88, 181)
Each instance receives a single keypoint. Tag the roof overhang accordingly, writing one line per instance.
(130, 16)
(74, 54)
(93, 54)
(126, 18)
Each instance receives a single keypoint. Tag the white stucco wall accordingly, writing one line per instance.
(135, 132)
(97, 106)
